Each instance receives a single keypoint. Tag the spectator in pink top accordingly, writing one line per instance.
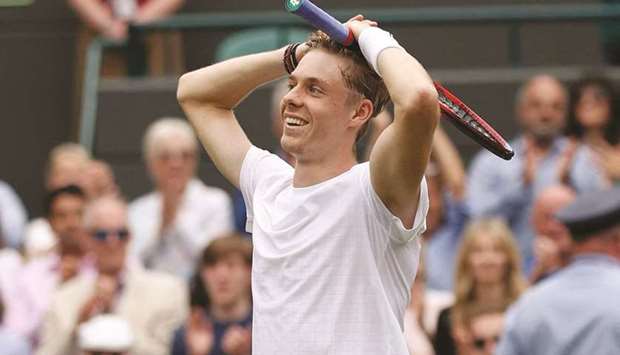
(41, 277)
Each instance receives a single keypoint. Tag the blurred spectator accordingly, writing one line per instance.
(552, 244)
(487, 273)
(174, 223)
(10, 342)
(420, 321)
(159, 52)
(224, 326)
(105, 334)
(594, 119)
(100, 180)
(12, 217)
(40, 277)
(10, 264)
(66, 165)
(111, 18)
(153, 304)
(577, 310)
(155, 53)
(507, 190)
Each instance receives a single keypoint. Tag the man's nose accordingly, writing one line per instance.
(293, 97)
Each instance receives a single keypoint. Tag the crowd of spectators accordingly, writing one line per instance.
(170, 272)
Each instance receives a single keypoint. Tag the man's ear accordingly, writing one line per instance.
(362, 113)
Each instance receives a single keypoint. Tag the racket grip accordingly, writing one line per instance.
(321, 20)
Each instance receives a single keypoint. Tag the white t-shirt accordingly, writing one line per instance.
(332, 268)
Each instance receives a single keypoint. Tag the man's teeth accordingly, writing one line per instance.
(295, 121)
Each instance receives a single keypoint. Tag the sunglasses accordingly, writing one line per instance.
(480, 343)
(102, 235)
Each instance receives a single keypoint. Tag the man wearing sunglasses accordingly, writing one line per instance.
(152, 303)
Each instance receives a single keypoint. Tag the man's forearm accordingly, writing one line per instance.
(412, 91)
(225, 84)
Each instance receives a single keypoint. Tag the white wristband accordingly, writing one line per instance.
(372, 42)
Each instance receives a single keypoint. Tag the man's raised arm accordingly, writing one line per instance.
(400, 156)
(209, 95)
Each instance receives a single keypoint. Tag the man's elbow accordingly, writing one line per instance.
(189, 91)
(422, 101)
(183, 94)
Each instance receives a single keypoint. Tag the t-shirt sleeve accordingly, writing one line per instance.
(258, 166)
(393, 224)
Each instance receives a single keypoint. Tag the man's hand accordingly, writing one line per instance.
(69, 267)
(357, 24)
(101, 301)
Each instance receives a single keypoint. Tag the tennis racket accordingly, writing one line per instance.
(452, 108)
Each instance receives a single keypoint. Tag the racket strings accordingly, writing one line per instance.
(464, 116)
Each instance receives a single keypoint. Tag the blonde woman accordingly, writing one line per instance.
(487, 273)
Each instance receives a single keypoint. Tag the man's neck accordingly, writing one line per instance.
(312, 172)
(233, 312)
(542, 145)
(593, 247)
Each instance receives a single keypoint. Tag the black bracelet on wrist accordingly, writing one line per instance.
(290, 58)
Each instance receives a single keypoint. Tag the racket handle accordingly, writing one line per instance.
(321, 20)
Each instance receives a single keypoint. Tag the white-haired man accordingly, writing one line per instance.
(176, 221)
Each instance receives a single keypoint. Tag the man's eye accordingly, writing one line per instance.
(315, 89)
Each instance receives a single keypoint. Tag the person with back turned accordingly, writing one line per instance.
(576, 310)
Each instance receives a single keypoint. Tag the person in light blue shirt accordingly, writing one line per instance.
(11, 343)
(13, 216)
(577, 310)
(542, 158)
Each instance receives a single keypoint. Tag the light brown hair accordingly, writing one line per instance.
(224, 246)
(465, 285)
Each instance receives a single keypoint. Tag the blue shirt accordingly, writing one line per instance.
(576, 311)
(442, 246)
(13, 344)
(179, 347)
(496, 187)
